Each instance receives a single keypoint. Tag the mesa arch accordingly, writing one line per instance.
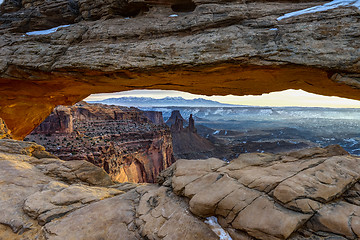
(221, 47)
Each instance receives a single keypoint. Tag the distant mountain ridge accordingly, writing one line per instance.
(163, 102)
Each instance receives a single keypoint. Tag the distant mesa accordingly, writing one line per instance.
(163, 102)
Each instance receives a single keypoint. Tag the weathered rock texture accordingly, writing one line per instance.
(123, 141)
(219, 47)
(310, 194)
(42, 197)
(299, 195)
(4, 131)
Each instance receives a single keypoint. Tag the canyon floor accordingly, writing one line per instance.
(308, 194)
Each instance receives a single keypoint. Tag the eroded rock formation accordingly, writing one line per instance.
(42, 197)
(309, 194)
(186, 142)
(299, 195)
(123, 141)
(217, 47)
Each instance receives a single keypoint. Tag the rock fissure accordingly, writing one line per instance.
(350, 225)
(238, 213)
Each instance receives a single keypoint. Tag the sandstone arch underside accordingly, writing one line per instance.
(222, 47)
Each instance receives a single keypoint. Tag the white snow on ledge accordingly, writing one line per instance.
(327, 6)
(217, 229)
(48, 31)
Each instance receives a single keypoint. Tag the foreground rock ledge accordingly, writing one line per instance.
(218, 48)
(309, 194)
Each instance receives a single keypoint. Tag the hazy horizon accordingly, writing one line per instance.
(287, 98)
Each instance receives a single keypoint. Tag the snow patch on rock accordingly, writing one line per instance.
(47, 31)
(217, 229)
(327, 6)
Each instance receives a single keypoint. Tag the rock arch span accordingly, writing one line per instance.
(226, 47)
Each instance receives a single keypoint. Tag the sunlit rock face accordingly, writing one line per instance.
(123, 141)
(4, 131)
(230, 47)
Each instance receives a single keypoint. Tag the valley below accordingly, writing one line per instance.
(275, 129)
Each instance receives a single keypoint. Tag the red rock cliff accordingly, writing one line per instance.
(123, 141)
(155, 117)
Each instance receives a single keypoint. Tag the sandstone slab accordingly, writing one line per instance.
(264, 219)
(116, 215)
(56, 199)
(47, 198)
(340, 218)
(271, 196)
(323, 182)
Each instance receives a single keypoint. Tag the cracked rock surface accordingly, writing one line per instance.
(273, 196)
(309, 194)
(42, 197)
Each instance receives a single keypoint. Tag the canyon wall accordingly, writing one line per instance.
(155, 117)
(216, 47)
(123, 141)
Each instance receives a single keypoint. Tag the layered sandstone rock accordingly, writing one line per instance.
(123, 141)
(216, 47)
(268, 196)
(43, 197)
(27, 15)
(155, 117)
(38, 203)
